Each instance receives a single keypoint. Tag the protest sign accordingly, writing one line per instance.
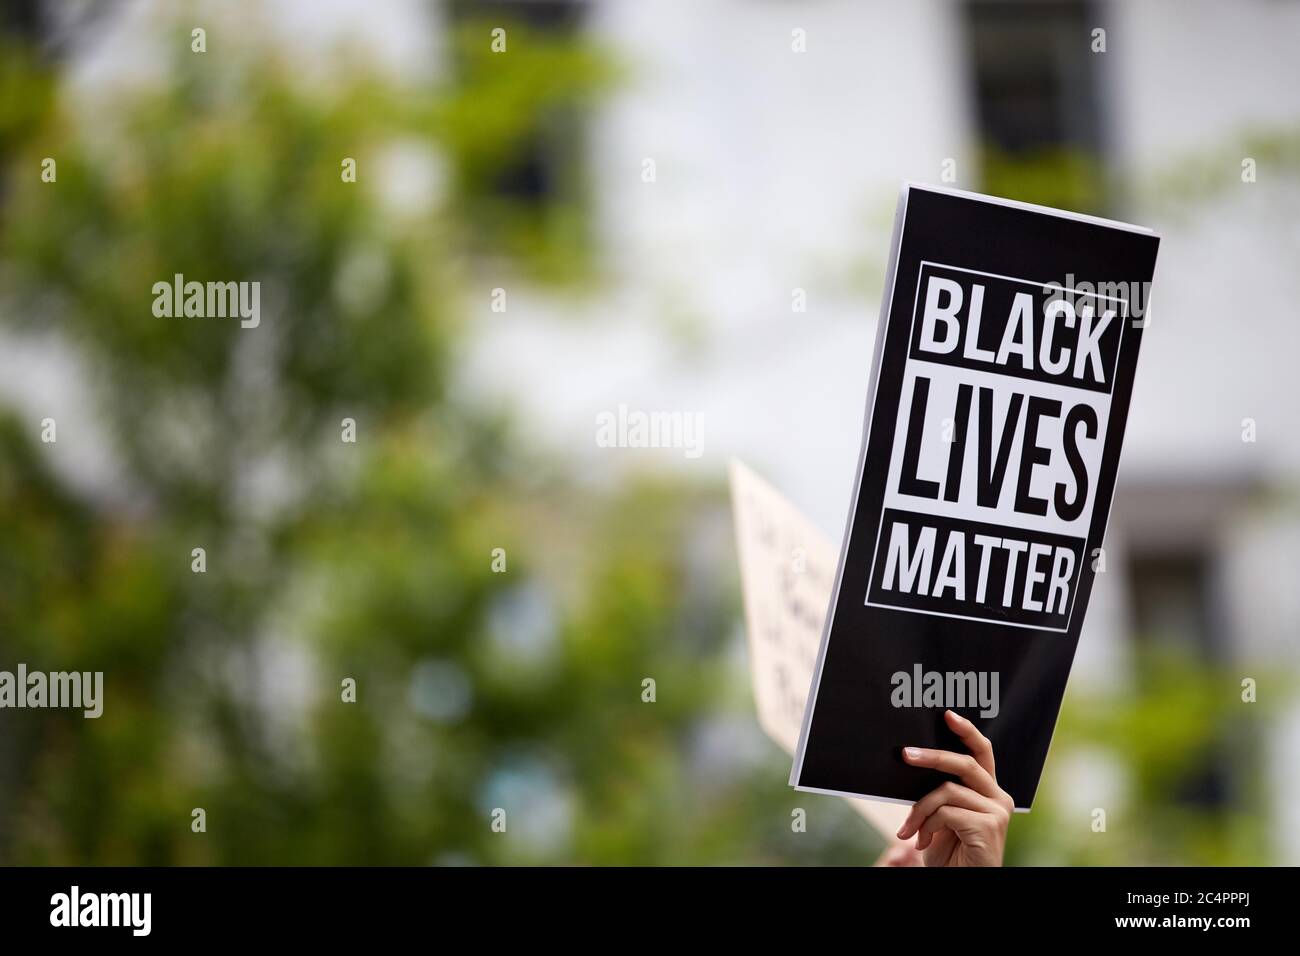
(1003, 369)
(787, 567)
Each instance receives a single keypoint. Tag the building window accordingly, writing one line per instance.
(1035, 101)
(1174, 618)
(520, 130)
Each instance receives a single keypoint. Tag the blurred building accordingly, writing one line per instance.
(775, 170)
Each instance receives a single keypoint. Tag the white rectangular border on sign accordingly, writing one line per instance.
(911, 328)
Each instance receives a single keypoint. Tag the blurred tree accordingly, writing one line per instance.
(328, 560)
(1148, 744)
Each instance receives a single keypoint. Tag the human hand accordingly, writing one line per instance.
(899, 853)
(960, 824)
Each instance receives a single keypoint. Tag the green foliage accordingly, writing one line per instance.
(516, 133)
(1159, 739)
(1061, 177)
(328, 560)
(1211, 172)
(26, 94)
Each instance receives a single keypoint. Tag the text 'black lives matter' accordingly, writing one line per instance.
(1002, 376)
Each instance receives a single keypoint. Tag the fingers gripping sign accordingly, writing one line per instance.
(962, 822)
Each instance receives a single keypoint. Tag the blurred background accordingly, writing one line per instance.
(677, 207)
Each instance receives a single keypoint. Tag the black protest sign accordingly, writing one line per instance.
(1001, 382)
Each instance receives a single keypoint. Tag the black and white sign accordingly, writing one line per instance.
(1001, 382)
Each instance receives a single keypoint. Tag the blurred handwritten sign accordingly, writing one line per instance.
(787, 572)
